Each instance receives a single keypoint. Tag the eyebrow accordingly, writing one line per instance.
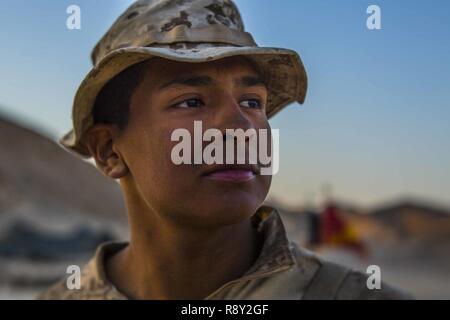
(251, 81)
(198, 81)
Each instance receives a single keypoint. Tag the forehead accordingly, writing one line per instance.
(159, 70)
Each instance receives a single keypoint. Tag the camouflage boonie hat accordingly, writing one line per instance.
(191, 31)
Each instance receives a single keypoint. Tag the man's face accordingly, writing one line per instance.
(224, 94)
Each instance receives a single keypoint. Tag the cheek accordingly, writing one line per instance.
(149, 160)
(179, 188)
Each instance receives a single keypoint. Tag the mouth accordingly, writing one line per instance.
(232, 173)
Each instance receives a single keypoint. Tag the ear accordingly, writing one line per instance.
(100, 140)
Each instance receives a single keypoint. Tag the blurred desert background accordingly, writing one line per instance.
(55, 210)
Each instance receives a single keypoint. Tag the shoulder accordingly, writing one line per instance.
(90, 288)
(335, 281)
(354, 287)
(57, 291)
(93, 282)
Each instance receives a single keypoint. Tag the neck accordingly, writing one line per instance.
(165, 260)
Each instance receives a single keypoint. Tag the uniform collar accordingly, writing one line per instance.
(275, 256)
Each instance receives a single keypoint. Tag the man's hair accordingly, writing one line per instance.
(112, 104)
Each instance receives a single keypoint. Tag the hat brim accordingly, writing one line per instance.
(282, 69)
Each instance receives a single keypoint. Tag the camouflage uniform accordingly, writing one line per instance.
(283, 270)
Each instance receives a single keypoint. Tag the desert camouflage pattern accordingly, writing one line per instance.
(150, 21)
(191, 31)
(283, 270)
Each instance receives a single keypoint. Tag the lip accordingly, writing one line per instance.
(232, 173)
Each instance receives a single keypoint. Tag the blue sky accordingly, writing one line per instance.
(375, 124)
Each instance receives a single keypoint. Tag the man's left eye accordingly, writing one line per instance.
(251, 103)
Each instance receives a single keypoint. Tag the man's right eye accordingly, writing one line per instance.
(190, 103)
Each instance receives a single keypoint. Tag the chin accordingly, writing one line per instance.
(229, 211)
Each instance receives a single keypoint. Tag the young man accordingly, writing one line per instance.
(198, 231)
